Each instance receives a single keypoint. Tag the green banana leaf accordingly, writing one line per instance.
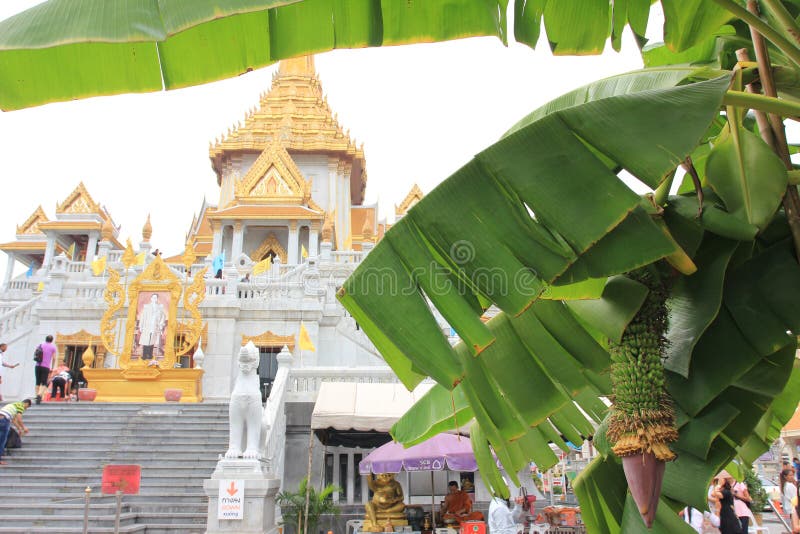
(68, 49)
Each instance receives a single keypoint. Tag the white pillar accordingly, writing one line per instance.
(104, 248)
(49, 251)
(313, 239)
(238, 240)
(294, 243)
(216, 244)
(91, 247)
(9, 269)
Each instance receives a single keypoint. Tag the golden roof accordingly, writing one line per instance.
(71, 225)
(793, 425)
(295, 113)
(413, 196)
(25, 246)
(31, 225)
(273, 178)
(266, 212)
(362, 223)
(79, 201)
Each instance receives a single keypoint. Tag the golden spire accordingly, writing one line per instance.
(147, 230)
(367, 231)
(297, 66)
(107, 230)
(327, 228)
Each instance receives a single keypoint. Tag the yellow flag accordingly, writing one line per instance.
(303, 251)
(305, 339)
(140, 258)
(40, 287)
(71, 252)
(98, 266)
(129, 256)
(262, 266)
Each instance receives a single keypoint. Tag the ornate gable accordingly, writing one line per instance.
(273, 177)
(79, 201)
(270, 244)
(413, 196)
(31, 225)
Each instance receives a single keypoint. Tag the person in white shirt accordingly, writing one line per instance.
(693, 517)
(501, 519)
(3, 363)
(788, 490)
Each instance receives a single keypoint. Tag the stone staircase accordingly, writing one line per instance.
(177, 446)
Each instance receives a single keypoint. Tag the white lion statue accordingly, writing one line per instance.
(245, 409)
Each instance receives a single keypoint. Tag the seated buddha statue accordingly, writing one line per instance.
(387, 503)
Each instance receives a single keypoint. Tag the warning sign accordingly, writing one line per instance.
(231, 499)
(125, 478)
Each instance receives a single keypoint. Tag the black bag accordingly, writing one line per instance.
(38, 354)
(13, 441)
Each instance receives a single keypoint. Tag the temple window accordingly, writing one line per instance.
(267, 369)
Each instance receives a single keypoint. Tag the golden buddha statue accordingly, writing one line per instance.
(387, 504)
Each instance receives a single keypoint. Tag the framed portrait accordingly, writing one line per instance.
(152, 317)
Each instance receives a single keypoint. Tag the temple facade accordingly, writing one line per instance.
(290, 225)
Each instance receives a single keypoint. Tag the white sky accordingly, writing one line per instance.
(422, 111)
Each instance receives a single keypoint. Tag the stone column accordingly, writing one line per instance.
(256, 498)
(313, 239)
(294, 243)
(49, 251)
(104, 248)
(91, 247)
(9, 269)
(238, 240)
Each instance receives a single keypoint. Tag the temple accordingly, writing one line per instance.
(289, 226)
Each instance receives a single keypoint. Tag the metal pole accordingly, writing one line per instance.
(119, 511)
(88, 496)
(433, 502)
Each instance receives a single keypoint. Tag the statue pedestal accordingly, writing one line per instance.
(144, 384)
(369, 527)
(260, 488)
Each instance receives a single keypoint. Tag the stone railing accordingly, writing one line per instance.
(347, 256)
(20, 289)
(115, 256)
(304, 382)
(88, 290)
(274, 421)
(270, 291)
(17, 318)
(76, 266)
(215, 287)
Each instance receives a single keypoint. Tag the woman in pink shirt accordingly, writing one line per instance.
(741, 498)
(43, 368)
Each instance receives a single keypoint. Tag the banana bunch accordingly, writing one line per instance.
(642, 418)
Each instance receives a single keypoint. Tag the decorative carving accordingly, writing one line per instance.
(156, 278)
(273, 177)
(114, 296)
(192, 298)
(271, 243)
(31, 225)
(268, 339)
(188, 258)
(245, 407)
(88, 357)
(107, 230)
(79, 201)
(413, 196)
(367, 231)
(327, 227)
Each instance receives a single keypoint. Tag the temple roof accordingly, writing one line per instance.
(295, 113)
(267, 212)
(31, 225)
(79, 201)
(413, 196)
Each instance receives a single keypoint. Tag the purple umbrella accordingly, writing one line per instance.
(443, 451)
(437, 453)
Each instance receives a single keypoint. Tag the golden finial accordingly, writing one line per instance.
(147, 230)
(107, 230)
(188, 257)
(368, 231)
(327, 228)
(129, 256)
(88, 357)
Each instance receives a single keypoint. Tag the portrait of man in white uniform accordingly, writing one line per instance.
(150, 323)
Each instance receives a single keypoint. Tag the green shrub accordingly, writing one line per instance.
(293, 506)
(756, 490)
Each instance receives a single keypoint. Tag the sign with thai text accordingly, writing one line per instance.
(124, 478)
(231, 499)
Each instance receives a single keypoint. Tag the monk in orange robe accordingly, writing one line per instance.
(458, 505)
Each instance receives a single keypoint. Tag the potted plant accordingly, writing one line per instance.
(293, 506)
(757, 494)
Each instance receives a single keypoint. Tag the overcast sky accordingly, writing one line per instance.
(422, 111)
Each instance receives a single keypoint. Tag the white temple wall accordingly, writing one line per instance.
(315, 168)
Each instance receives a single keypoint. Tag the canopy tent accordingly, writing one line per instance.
(443, 451)
(361, 414)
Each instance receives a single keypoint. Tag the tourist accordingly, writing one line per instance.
(11, 414)
(502, 520)
(728, 521)
(43, 367)
(458, 506)
(693, 517)
(60, 381)
(3, 363)
(741, 502)
(713, 503)
(788, 490)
